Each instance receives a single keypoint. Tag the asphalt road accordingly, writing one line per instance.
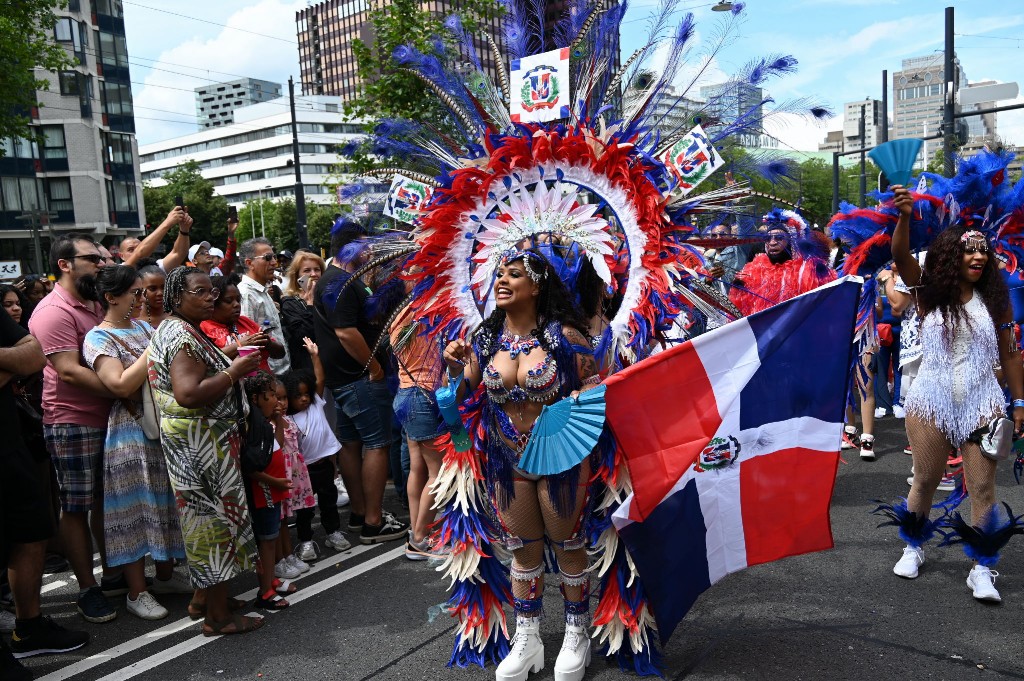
(839, 614)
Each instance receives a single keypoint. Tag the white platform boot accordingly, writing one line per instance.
(574, 657)
(527, 653)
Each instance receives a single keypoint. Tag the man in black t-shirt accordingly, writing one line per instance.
(344, 336)
(25, 517)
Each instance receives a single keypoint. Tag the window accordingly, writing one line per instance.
(70, 83)
(59, 189)
(53, 142)
(62, 31)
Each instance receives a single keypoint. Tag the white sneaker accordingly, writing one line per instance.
(284, 570)
(982, 580)
(307, 551)
(338, 541)
(907, 566)
(947, 484)
(177, 584)
(7, 621)
(867, 448)
(879, 412)
(574, 657)
(295, 562)
(899, 412)
(146, 607)
(342, 492)
(526, 654)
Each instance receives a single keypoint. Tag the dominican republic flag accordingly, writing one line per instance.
(732, 443)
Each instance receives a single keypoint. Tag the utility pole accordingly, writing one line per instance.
(949, 88)
(835, 182)
(36, 219)
(863, 154)
(300, 195)
(883, 136)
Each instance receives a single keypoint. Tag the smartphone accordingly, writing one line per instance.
(232, 214)
(303, 280)
(179, 201)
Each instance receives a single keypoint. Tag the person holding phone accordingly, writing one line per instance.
(297, 304)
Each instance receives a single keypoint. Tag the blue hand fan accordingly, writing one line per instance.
(565, 433)
(896, 159)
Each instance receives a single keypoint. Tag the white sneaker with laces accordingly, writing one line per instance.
(899, 412)
(880, 412)
(908, 565)
(295, 562)
(867, 448)
(574, 657)
(146, 607)
(981, 581)
(177, 584)
(284, 570)
(307, 551)
(526, 654)
(947, 484)
(338, 541)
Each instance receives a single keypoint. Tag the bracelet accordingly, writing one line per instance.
(593, 380)
(184, 233)
(228, 374)
(1018, 403)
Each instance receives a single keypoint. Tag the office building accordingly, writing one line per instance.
(252, 157)
(833, 142)
(84, 175)
(217, 102)
(733, 99)
(874, 122)
(918, 101)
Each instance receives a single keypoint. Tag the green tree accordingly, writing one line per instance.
(208, 210)
(26, 41)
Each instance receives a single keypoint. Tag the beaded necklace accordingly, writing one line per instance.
(516, 345)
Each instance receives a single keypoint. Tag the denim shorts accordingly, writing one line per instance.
(418, 414)
(364, 413)
(266, 522)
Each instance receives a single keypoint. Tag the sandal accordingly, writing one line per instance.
(197, 611)
(283, 588)
(271, 601)
(242, 625)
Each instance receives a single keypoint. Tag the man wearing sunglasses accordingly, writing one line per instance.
(257, 256)
(75, 409)
(795, 261)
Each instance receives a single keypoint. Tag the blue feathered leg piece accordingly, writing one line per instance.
(915, 530)
(983, 544)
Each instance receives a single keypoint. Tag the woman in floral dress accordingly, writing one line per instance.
(194, 386)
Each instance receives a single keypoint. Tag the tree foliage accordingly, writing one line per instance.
(208, 210)
(26, 41)
(278, 222)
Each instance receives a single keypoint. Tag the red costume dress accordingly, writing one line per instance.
(765, 284)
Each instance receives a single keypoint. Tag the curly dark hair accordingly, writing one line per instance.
(940, 281)
(554, 304)
(295, 378)
(258, 384)
(174, 285)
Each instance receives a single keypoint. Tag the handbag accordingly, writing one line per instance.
(885, 337)
(150, 417)
(995, 439)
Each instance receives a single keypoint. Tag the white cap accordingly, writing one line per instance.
(195, 249)
(216, 252)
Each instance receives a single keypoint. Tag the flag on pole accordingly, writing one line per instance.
(734, 447)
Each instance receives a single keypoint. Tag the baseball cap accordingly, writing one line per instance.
(195, 249)
(286, 255)
(216, 252)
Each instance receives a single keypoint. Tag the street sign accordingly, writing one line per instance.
(10, 269)
(986, 93)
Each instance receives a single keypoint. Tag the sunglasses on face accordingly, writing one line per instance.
(971, 250)
(777, 237)
(269, 257)
(214, 293)
(94, 258)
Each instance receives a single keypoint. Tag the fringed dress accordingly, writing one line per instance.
(956, 387)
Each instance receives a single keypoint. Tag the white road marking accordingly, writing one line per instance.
(52, 586)
(185, 622)
(196, 642)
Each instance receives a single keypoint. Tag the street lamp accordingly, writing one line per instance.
(724, 6)
(263, 227)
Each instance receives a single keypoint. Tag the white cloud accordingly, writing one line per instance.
(221, 55)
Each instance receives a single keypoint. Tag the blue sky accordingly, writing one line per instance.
(842, 47)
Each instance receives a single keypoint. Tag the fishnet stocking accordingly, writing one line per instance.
(930, 449)
(530, 516)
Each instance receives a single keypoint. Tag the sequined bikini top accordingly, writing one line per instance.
(541, 383)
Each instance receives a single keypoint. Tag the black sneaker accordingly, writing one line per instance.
(117, 586)
(10, 668)
(43, 636)
(93, 606)
(355, 522)
(389, 530)
(55, 564)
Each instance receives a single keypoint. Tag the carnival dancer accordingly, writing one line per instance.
(532, 351)
(795, 261)
(966, 329)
